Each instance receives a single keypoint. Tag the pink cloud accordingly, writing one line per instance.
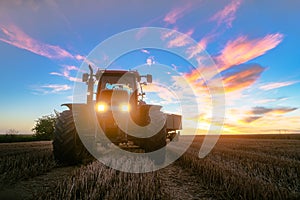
(227, 15)
(80, 57)
(16, 37)
(180, 40)
(201, 46)
(145, 51)
(271, 86)
(176, 13)
(241, 78)
(168, 34)
(242, 49)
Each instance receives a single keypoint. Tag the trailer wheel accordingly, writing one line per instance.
(155, 145)
(67, 146)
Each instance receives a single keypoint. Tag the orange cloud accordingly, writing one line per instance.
(227, 15)
(235, 53)
(242, 50)
(244, 77)
(16, 37)
(271, 86)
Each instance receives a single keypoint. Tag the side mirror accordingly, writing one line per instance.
(149, 78)
(85, 77)
(138, 79)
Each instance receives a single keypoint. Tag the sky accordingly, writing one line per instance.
(254, 45)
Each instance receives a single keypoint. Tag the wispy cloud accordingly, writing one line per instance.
(180, 40)
(176, 13)
(263, 101)
(242, 77)
(264, 110)
(145, 51)
(169, 33)
(259, 112)
(66, 73)
(275, 85)
(227, 14)
(251, 119)
(16, 37)
(193, 51)
(79, 57)
(162, 92)
(242, 49)
(173, 38)
(51, 89)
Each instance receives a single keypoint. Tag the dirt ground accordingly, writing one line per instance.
(249, 168)
(177, 183)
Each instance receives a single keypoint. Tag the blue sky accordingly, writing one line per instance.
(255, 44)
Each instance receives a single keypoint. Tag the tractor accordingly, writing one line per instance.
(118, 109)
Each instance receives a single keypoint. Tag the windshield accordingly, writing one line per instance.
(117, 86)
(126, 83)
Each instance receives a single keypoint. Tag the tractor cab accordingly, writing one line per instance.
(126, 87)
(119, 93)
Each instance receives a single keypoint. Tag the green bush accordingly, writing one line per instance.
(44, 127)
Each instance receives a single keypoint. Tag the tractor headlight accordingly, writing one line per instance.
(101, 107)
(124, 107)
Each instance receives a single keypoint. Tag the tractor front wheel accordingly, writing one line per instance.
(156, 146)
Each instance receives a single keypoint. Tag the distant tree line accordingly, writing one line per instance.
(42, 130)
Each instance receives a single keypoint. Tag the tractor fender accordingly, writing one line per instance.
(69, 105)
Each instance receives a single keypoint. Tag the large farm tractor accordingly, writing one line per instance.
(119, 110)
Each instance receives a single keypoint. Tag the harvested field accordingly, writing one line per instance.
(237, 168)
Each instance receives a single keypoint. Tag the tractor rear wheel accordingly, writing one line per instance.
(67, 146)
